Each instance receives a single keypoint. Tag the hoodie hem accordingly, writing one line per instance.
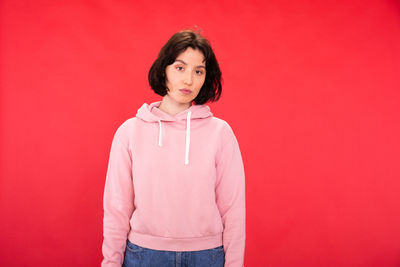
(175, 244)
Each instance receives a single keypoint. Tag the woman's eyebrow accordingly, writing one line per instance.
(183, 62)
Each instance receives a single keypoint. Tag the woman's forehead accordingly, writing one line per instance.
(191, 56)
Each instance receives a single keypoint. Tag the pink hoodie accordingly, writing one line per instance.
(174, 183)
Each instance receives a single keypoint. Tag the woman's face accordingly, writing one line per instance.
(187, 72)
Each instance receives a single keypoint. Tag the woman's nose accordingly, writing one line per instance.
(188, 79)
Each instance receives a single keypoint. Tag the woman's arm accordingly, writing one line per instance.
(117, 202)
(230, 197)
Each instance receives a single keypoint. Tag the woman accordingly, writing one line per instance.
(175, 185)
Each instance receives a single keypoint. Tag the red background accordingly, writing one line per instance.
(311, 89)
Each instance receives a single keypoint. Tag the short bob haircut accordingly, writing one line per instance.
(178, 43)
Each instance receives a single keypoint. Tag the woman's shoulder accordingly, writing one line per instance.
(223, 127)
(125, 128)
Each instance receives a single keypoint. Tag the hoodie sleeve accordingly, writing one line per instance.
(117, 202)
(230, 198)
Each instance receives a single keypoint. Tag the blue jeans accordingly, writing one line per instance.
(136, 256)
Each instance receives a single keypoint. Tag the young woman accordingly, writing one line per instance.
(175, 185)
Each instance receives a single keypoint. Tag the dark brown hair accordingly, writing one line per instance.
(179, 42)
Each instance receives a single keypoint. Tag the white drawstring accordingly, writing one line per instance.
(159, 134)
(187, 137)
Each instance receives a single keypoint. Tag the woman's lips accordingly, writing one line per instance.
(185, 91)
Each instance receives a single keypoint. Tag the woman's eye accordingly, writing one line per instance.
(199, 72)
(179, 68)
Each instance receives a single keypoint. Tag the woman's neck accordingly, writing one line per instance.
(173, 108)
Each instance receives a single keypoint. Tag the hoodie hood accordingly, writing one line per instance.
(152, 114)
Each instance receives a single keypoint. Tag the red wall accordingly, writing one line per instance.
(311, 89)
